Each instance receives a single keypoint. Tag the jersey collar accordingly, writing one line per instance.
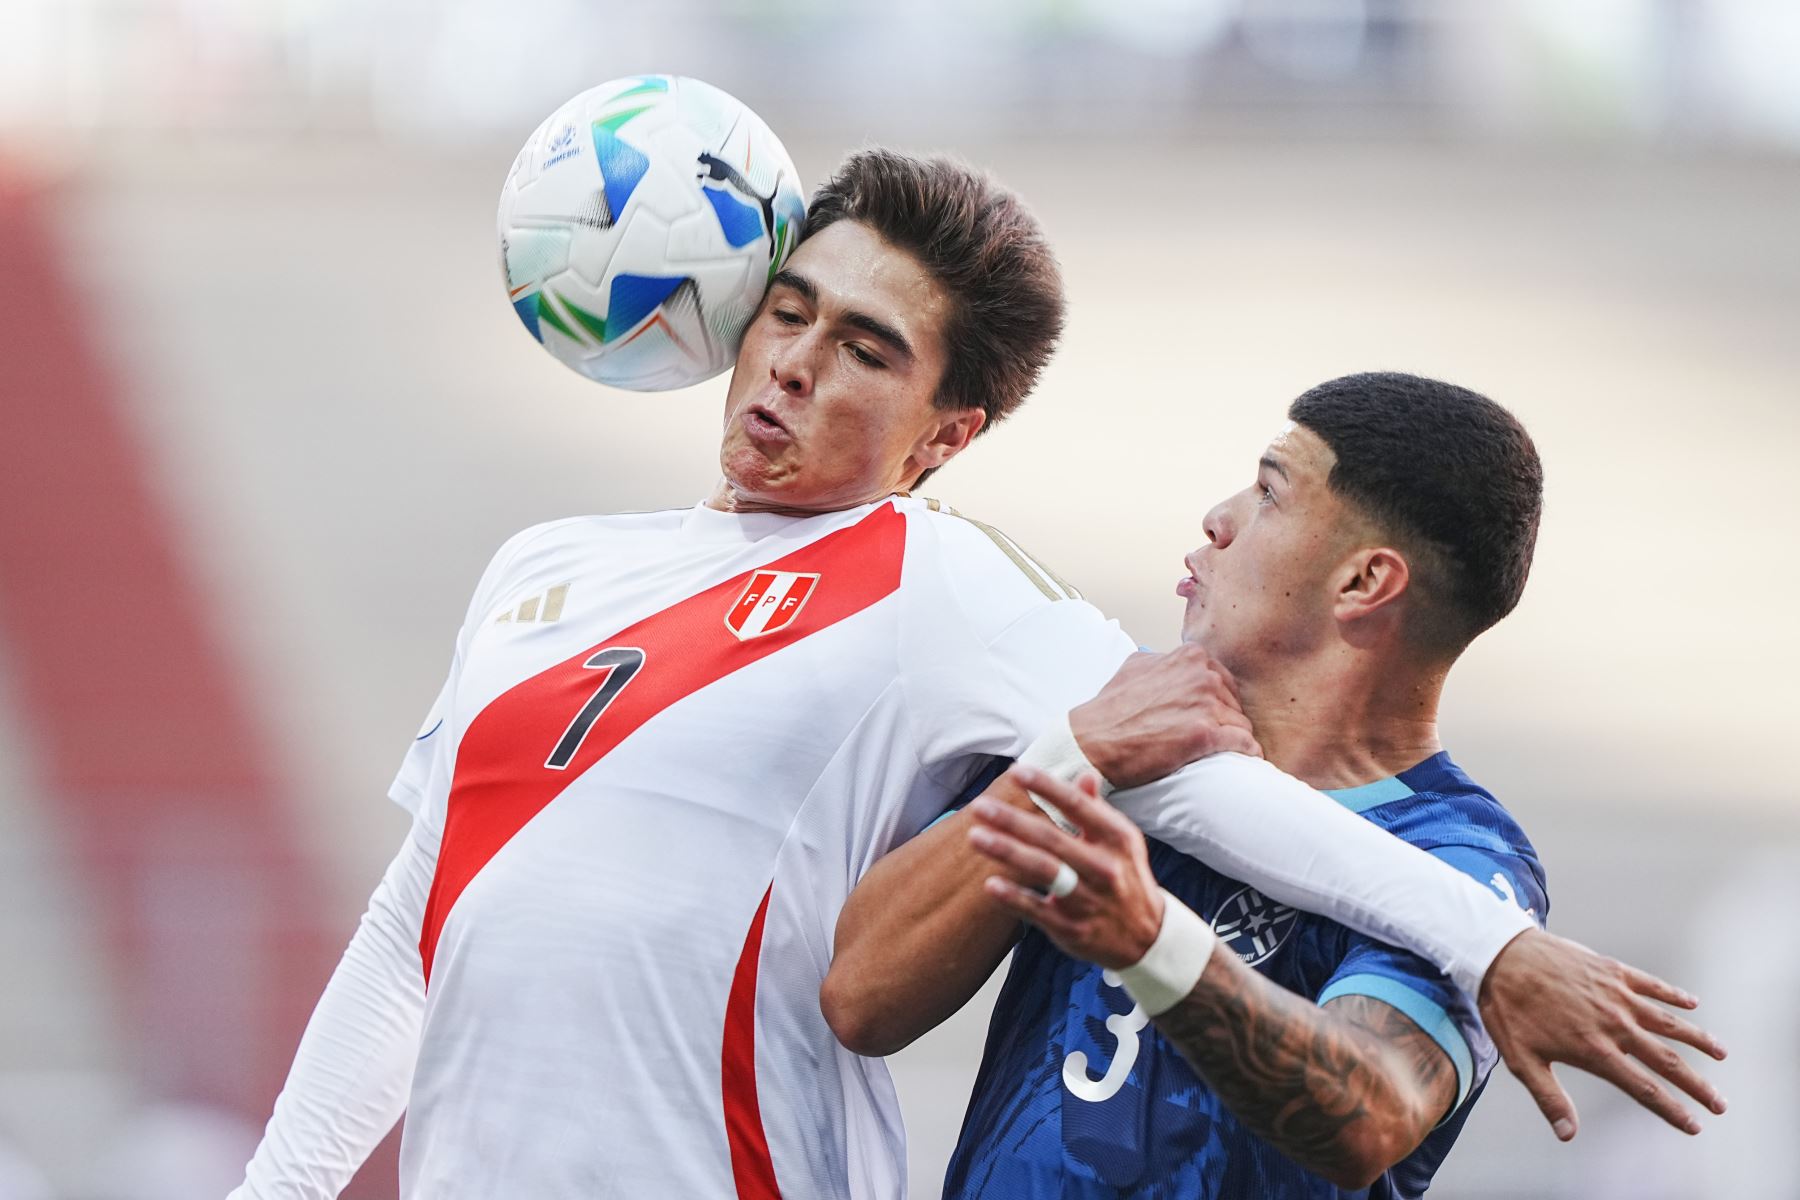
(1365, 796)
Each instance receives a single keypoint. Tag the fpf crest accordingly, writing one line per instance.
(770, 602)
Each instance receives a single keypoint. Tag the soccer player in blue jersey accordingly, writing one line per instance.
(1251, 1051)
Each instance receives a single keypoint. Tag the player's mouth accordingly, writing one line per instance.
(761, 425)
(1189, 585)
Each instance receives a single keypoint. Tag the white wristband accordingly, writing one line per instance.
(1172, 966)
(1056, 752)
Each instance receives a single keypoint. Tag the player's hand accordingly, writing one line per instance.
(1115, 909)
(1161, 712)
(1546, 1000)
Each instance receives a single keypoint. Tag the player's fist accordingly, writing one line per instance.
(1161, 712)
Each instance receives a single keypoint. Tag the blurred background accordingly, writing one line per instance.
(265, 414)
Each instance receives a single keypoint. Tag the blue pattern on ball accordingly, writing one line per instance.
(635, 297)
(622, 166)
(528, 313)
(741, 223)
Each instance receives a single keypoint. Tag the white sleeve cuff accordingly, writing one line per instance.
(1172, 966)
(1055, 752)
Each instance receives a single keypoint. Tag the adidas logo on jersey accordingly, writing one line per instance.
(543, 608)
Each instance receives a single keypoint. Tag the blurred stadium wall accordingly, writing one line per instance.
(264, 414)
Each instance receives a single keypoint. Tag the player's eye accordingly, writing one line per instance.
(865, 358)
(1266, 493)
(788, 316)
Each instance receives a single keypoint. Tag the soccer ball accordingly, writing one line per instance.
(640, 227)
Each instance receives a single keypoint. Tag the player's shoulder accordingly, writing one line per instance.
(1436, 802)
(1438, 807)
(548, 543)
(580, 530)
(991, 568)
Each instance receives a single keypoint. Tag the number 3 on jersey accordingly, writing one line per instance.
(1125, 1027)
(621, 665)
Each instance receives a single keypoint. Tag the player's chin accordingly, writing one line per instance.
(755, 475)
(1194, 622)
(1197, 629)
(743, 462)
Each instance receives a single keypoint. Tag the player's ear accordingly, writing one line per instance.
(950, 436)
(1371, 581)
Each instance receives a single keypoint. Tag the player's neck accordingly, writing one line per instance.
(1344, 720)
(726, 498)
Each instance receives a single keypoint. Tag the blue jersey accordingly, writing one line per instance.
(1079, 1097)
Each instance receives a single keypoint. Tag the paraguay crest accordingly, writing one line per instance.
(1253, 925)
(770, 602)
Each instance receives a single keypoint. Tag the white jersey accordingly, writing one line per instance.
(669, 745)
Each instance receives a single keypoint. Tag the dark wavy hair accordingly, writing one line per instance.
(984, 248)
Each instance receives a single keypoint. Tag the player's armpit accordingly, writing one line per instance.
(917, 937)
(1347, 1090)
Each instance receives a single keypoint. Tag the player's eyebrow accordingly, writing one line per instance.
(798, 282)
(873, 326)
(1274, 464)
(881, 329)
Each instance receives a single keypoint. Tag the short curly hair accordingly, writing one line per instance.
(1451, 475)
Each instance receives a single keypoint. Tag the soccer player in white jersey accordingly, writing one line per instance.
(670, 743)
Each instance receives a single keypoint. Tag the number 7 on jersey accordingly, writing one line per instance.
(621, 664)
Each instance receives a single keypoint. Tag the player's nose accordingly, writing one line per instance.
(790, 368)
(1218, 525)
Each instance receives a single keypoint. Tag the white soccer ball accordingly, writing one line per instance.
(640, 226)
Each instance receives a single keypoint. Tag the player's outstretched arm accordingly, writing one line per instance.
(1249, 820)
(1346, 1090)
(1545, 999)
(350, 1077)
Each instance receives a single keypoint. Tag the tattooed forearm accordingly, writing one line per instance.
(1345, 1091)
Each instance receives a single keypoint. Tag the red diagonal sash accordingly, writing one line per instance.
(501, 779)
(752, 1166)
